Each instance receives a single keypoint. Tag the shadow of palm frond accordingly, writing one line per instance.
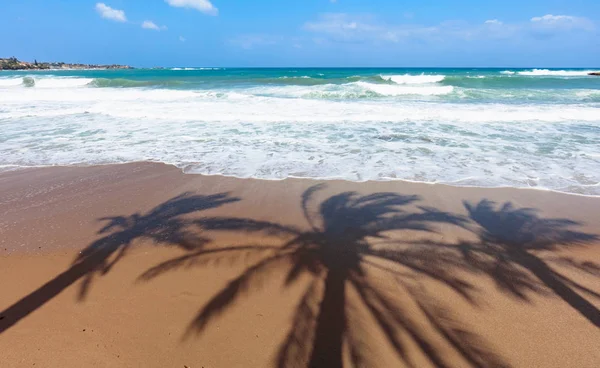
(338, 251)
(163, 225)
(514, 249)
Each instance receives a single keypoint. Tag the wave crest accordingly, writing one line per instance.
(414, 79)
(129, 83)
(11, 82)
(398, 90)
(556, 73)
(46, 82)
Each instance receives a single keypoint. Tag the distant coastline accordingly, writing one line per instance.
(15, 64)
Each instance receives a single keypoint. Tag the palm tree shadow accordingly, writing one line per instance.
(162, 225)
(338, 251)
(513, 249)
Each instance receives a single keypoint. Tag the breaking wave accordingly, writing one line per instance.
(485, 127)
(414, 79)
(556, 73)
(192, 69)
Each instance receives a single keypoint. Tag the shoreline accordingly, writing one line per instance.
(316, 179)
(106, 268)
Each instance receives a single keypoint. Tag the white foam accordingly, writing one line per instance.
(556, 73)
(189, 69)
(86, 96)
(587, 93)
(61, 82)
(47, 82)
(274, 132)
(353, 90)
(414, 79)
(11, 82)
(396, 90)
(507, 72)
(288, 104)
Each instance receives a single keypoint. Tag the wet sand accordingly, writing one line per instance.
(141, 265)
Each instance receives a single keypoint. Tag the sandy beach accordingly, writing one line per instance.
(140, 265)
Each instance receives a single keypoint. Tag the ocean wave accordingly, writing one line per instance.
(501, 130)
(520, 82)
(556, 73)
(588, 95)
(192, 69)
(308, 80)
(129, 83)
(75, 82)
(317, 80)
(273, 138)
(352, 90)
(414, 79)
(45, 82)
(507, 72)
(63, 82)
(305, 105)
(11, 82)
(398, 90)
(492, 88)
(529, 95)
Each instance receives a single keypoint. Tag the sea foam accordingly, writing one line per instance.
(398, 90)
(498, 131)
(556, 73)
(11, 82)
(45, 82)
(414, 79)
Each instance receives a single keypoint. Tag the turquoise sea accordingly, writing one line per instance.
(529, 127)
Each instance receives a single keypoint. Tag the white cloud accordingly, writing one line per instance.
(553, 18)
(361, 28)
(364, 28)
(107, 12)
(181, 38)
(205, 6)
(562, 22)
(148, 24)
(493, 21)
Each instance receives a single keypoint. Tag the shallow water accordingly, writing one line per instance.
(484, 127)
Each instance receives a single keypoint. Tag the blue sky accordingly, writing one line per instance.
(551, 33)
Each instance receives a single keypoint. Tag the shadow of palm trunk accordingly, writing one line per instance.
(513, 250)
(162, 225)
(338, 251)
(331, 323)
(549, 278)
(49, 290)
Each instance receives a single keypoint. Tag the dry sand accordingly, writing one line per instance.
(408, 278)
